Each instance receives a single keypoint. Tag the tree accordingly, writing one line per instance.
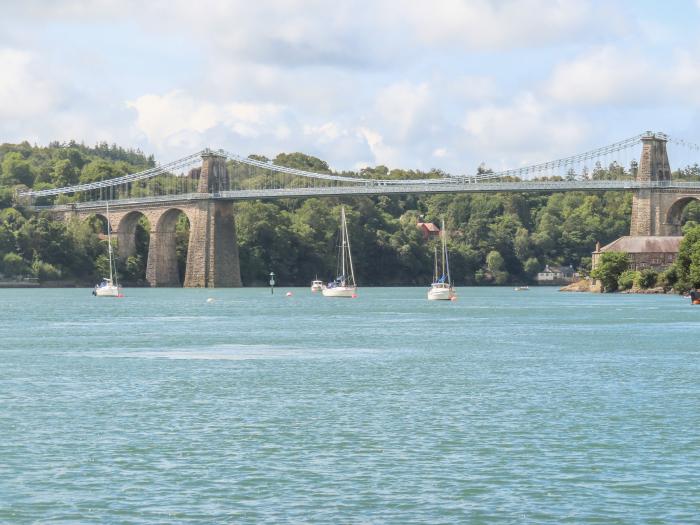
(64, 174)
(688, 261)
(646, 279)
(532, 266)
(609, 268)
(16, 170)
(494, 261)
(627, 279)
(13, 265)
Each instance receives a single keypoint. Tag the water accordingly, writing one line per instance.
(504, 407)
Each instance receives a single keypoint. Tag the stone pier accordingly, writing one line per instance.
(212, 254)
(212, 258)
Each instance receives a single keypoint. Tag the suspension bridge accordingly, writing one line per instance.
(204, 185)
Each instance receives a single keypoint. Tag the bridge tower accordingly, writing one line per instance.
(649, 206)
(212, 256)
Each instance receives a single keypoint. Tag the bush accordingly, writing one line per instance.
(532, 266)
(627, 279)
(45, 271)
(13, 265)
(609, 268)
(668, 278)
(646, 278)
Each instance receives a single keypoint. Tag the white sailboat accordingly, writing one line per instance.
(109, 287)
(441, 289)
(344, 285)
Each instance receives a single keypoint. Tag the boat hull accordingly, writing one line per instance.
(441, 294)
(340, 291)
(107, 291)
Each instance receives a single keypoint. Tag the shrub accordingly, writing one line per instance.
(13, 265)
(609, 268)
(646, 278)
(45, 271)
(668, 278)
(627, 279)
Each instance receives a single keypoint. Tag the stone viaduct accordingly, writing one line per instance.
(212, 255)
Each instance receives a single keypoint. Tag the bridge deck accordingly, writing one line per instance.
(379, 189)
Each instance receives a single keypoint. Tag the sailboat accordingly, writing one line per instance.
(441, 289)
(109, 287)
(344, 285)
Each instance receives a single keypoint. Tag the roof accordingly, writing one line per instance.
(558, 269)
(429, 226)
(644, 244)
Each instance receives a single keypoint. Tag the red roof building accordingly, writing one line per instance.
(428, 229)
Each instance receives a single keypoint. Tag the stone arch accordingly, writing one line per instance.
(126, 232)
(163, 265)
(674, 215)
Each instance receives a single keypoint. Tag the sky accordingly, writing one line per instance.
(412, 84)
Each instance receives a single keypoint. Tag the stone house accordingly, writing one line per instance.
(645, 251)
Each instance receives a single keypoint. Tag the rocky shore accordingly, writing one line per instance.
(589, 285)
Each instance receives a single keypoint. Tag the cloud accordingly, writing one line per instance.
(483, 24)
(408, 84)
(606, 75)
(622, 77)
(177, 118)
(526, 129)
(25, 90)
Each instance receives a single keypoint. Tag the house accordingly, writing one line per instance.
(645, 251)
(557, 275)
(428, 229)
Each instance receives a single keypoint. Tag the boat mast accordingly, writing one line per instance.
(109, 244)
(347, 242)
(442, 235)
(444, 253)
(435, 274)
(342, 242)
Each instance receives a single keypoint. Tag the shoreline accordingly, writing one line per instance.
(585, 285)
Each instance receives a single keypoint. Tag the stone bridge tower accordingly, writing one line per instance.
(649, 209)
(212, 256)
(657, 211)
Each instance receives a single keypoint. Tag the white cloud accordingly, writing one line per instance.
(684, 78)
(483, 24)
(523, 132)
(409, 84)
(168, 119)
(25, 90)
(621, 77)
(603, 76)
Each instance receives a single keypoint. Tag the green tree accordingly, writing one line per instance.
(627, 279)
(14, 265)
(609, 268)
(688, 261)
(16, 170)
(646, 279)
(64, 174)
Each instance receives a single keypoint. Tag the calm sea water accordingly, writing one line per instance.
(504, 407)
